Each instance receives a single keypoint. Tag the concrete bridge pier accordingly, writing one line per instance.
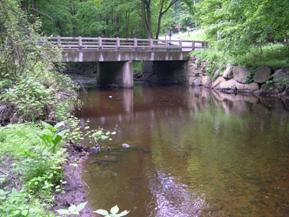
(166, 72)
(115, 74)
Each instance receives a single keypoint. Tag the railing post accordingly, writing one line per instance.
(100, 43)
(193, 45)
(180, 44)
(117, 43)
(166, 43)
(79, 42)
(151, 43)
(135, 43)
(59, 41)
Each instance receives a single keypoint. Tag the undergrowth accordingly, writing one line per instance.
(37, 154)
(272, 55)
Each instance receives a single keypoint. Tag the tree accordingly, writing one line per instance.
(238, 25)
(20, 51)
(147, 7)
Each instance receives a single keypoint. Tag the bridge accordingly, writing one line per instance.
(114, 56)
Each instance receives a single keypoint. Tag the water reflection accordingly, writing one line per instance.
(201, 153)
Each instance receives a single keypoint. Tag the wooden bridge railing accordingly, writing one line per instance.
(126, 44)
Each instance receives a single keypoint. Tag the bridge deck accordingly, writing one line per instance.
(81, 49)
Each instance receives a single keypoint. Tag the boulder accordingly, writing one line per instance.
(196, 81)
(218, 81)
(240, 74)
(206, 81)
(228, 86)
(269, 89)
(228, 73)
(262, 75)
(247, 88)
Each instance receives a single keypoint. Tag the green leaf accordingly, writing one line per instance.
(63, 211)
(73, 209)
(57, 139)
(81, 206)
(123, 213)
(114, 210)
(101, 212)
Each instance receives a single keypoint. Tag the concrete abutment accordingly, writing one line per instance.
(115, 74)
(166, 72)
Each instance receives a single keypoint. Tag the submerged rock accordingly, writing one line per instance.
(206, 81)
(226, 85)
(247, 87)
(196, 81)
(218, 81)
(95, 149)
(125, 146)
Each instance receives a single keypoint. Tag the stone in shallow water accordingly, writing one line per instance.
(125, 146)
(230, 84)
(206, 81)
(218, 81)
(246, 88)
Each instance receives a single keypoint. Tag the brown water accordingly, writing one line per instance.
(199, 153)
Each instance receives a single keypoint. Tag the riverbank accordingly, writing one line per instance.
(75, 188)
(236, 79)
(39, 129)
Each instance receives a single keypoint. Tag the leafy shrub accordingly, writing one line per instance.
(31, 99)
(17, 204)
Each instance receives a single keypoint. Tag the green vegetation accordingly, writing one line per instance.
(112, 213)
(73, 210)
(249, 33)
(272, 55)
(36, 152)
(118, 18)
(196, 35)
(32, 152)
(33, 93)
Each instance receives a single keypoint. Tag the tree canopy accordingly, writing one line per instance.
(117, 18)
(237, 25)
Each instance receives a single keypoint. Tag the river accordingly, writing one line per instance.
(198, 153)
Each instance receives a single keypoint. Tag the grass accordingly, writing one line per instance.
(196, 35)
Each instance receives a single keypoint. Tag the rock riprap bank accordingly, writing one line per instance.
(262, 81)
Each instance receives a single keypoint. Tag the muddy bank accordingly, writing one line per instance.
(75, 188)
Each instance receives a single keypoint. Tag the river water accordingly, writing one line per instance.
(198, 153)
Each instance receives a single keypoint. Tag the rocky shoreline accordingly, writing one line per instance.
(235, 79)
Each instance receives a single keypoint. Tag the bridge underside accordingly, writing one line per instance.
(115, 74)
(92, 55)
(165, 72)
(114, 69)
(120, 74)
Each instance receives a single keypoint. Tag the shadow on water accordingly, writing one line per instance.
(201, 153)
